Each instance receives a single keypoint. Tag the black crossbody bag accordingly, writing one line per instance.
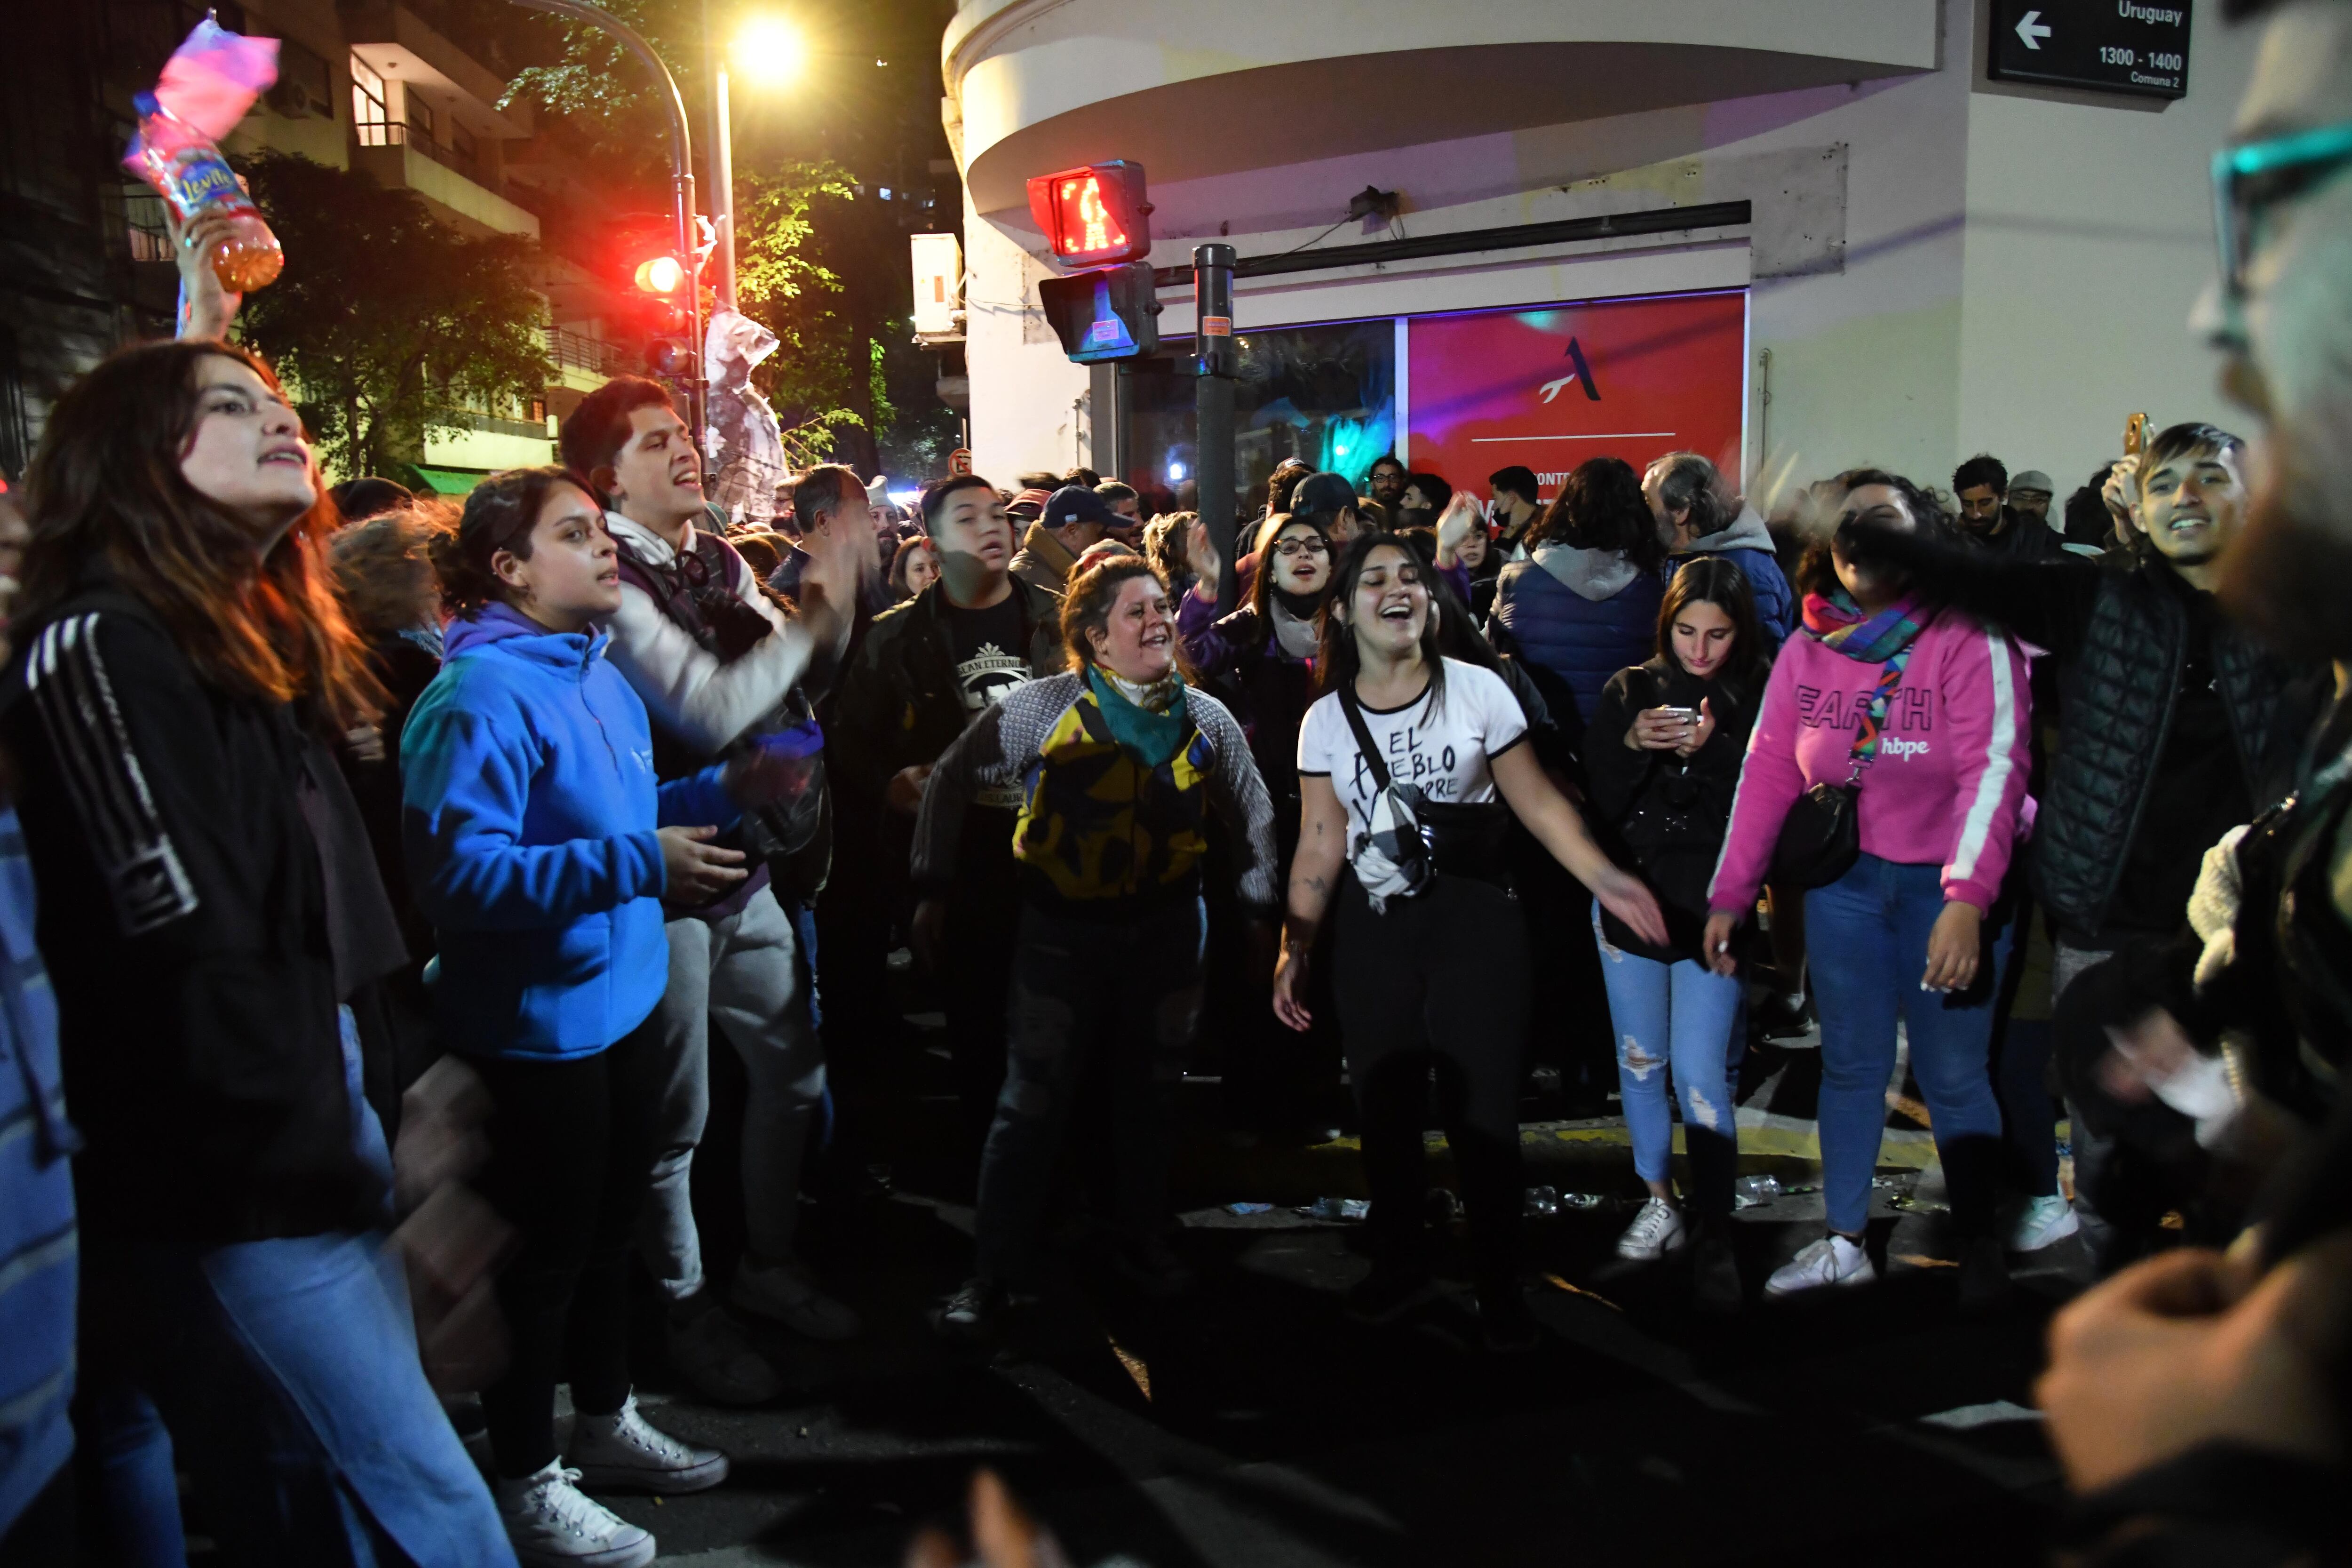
(1413, 838)
(1821, 839)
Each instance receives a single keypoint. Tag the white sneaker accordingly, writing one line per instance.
(2041, 1222)
(551, 1525)
(622, 1452)
(708, 1350)
(1655, 1231)
(1832, 1261)
(784, 1293)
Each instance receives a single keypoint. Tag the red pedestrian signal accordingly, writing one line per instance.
(1094, 215)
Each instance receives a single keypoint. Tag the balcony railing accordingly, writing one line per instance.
(498, 424)
(395, 133)
(144, 227)
(592, 355)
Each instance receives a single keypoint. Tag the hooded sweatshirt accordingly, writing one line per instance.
(1749, 543)
(1948, 786)
(529, 809)
(1581, 615)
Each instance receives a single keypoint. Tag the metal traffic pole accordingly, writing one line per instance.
(1213, 407)
(681, 153)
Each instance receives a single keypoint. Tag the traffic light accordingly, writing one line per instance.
(1107, 314)
(670, 347)
(1094, 215)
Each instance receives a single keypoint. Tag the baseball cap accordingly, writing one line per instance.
(1323, 492)
(1076, 503)
(2032, 480)
(1029, 503)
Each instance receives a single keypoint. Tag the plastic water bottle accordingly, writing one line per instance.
(194, 180)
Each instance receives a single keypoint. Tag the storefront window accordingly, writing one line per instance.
(1325, 395)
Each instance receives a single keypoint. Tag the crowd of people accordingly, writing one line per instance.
(374, 874)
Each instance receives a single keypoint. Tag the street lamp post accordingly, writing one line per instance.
(681, 151)
(722, 168)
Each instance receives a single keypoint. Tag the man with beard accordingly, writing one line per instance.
(1385, 482)
(1990, 520)
(2199, 1399)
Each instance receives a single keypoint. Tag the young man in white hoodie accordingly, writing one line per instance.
(687, 602)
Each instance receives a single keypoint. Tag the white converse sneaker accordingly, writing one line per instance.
(622, 1452)
(1832, 1261)
(551, 1525)
(1655, 1231)
(784, 1293)
(2041, 1222)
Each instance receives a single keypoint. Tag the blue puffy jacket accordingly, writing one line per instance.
(1748, 543)
(529, 810)
(1580, 615)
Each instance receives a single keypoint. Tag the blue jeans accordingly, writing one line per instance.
(1128, 990)
(1866, 934)
(287, 1375)
(1691, 1013)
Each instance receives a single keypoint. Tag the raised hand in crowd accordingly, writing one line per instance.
(208, 308)
(841, 559)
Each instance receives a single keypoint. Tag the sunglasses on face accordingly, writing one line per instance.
(2250, 179)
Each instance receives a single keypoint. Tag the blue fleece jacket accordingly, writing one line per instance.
(529, 810)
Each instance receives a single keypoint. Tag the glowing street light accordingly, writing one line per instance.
(770, 52)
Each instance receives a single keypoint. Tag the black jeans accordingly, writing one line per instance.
(983, 923)
(1125, 990)
(571, 1159)
(1438, 980)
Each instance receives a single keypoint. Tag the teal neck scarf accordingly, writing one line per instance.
(1152, 731)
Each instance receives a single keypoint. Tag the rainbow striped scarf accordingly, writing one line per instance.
(1836, 620)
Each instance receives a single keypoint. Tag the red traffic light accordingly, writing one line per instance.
(1094, 215)
(661, 274)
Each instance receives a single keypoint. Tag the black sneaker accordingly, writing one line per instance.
(1715, 1275)
(1984, 1278)
(1506, 1325)
(969, 1316)
(1387, 1294)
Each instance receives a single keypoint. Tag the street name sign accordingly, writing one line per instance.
(2135, 47)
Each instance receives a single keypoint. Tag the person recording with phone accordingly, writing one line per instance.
(1662, 796)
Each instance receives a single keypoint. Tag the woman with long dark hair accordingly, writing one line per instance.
(1584, 605)
(210, 913)
(1429, 956)
(1924, 712)
(1664, 762)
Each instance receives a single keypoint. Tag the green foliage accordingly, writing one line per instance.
(386, 321)
(825, 374)
(608, 91)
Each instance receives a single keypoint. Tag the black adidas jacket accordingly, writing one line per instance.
(185, 917)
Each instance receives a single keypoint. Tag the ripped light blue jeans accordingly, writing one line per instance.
(1678, 1019)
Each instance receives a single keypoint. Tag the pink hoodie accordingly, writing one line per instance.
(1948, 786)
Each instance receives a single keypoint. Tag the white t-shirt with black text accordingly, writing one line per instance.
(1440, 746)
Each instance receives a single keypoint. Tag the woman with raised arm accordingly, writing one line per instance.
(1410, 769)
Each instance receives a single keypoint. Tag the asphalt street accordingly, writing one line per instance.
(1249, 1422)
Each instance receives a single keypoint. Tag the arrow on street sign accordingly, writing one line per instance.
(2032, 30)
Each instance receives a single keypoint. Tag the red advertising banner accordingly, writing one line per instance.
(1624, 378)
